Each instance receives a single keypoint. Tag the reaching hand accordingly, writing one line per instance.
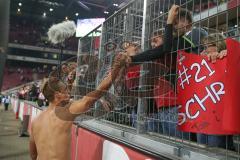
(172, 14)
(213, 56)
(121, 62)
(222, 54)
(106, 105)
(132, 50)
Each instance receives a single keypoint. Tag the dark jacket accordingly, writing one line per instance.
(172, 45)
(167, 52)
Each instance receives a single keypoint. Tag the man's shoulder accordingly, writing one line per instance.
(39, 117)
(64, 113)
(198, 32)
(196, 35)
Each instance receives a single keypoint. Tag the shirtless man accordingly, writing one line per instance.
(51, 131)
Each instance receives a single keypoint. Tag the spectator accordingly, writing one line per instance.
(215, 48)
(71, 78)
(132, 81)
(6, 102)
(65, 69)
(179, 35)
(131, 49)
(41, 100)
(33, 93)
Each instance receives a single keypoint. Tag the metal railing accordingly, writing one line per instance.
(144, 121)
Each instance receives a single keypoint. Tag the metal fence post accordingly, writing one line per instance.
(142, 103)
(78, 69)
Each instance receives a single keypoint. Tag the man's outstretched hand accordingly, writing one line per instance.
(120, 63)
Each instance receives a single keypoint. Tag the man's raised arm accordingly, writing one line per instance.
(165, 48)
(88, 100)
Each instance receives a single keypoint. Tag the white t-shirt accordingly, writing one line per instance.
(6, 100)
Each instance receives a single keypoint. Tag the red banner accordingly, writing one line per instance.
(233, 3)
(132, 77)
(208, 93)
(96, 42)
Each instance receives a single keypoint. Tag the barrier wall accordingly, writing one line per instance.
(85, 144)
(14, 102)
(91, 146)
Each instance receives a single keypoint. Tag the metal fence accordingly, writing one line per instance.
(144, 119)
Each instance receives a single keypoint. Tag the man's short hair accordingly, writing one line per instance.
(50, 86)
(184, 13)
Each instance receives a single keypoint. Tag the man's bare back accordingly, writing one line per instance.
(50, 131)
